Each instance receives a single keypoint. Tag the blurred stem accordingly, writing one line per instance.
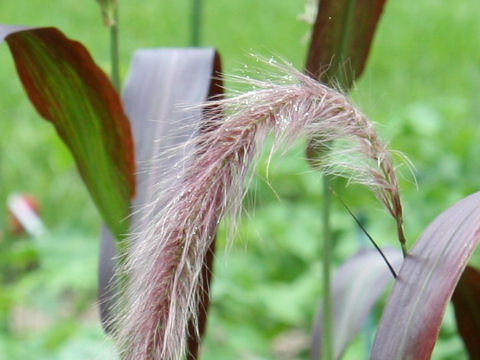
(114, 53)
(115, 77)
(196, 22)
(327, 341)
(3, 200)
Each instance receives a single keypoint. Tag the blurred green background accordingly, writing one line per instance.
(421, 85)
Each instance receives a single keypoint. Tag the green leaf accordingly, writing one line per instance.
(466, 300)
(68, 89)
(412, 317)
(341, 39)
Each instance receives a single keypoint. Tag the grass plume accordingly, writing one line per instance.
(165, 257)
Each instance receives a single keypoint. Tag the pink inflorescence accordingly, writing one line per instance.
(163, 264)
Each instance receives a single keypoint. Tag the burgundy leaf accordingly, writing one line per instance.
(466, 301)
(341, 39)
(412, 317)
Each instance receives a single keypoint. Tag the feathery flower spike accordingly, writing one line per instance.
(164, 261)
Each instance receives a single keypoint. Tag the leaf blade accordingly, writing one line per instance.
(412, 317)
(342, 35)
(466, 302)
(69, 90)
(356, 287)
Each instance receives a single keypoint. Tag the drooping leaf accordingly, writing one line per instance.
(356, 287)
(68, 89)
(412, 317)
(180, 78)
(466, 301)
(341, 39)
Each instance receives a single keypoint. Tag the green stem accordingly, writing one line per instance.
(327, 341)
(3, 199)
(196, 22)
(115, 77)
(114, 53)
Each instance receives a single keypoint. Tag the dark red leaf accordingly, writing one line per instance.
(466, 301)
(68, 89)
(341, 39)
(412, 317)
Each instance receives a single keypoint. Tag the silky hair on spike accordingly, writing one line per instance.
(162, 267)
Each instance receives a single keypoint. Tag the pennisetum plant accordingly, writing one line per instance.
(164, 260)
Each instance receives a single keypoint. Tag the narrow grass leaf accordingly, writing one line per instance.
(68, 89)
(356, 287)
(466, 301)
(412, 317)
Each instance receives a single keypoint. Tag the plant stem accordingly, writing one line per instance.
(3, 199)
(115, 77)
(114, 53)
(327, 341)
(196, 22)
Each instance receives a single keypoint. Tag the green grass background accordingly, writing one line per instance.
(421, 85)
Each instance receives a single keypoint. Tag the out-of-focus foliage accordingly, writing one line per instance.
(46, 308)
(421, 84)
